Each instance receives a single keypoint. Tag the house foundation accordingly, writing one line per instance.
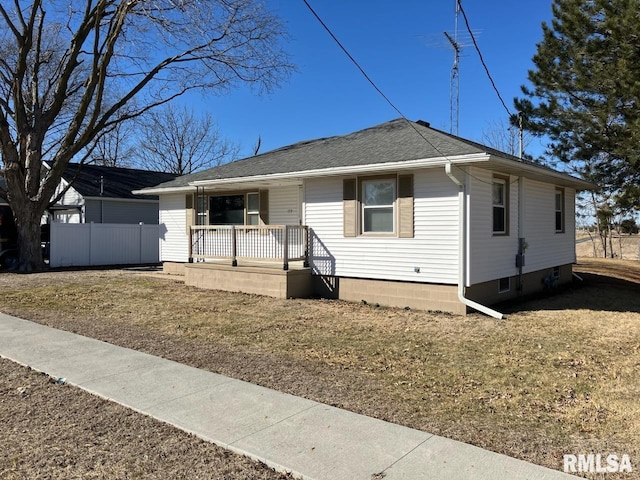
(418, 296)
(271, 280)
(489, 293)
(262, 280)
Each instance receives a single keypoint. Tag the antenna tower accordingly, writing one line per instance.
(454, 88)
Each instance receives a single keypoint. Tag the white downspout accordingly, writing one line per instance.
(462, 248)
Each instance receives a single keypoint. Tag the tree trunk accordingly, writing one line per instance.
(30, 250)
(613, 254)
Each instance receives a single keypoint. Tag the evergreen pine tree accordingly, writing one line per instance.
(585, 89)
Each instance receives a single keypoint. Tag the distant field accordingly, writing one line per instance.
(626, 247)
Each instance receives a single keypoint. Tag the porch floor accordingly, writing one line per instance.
(242, 263)
(262, 278)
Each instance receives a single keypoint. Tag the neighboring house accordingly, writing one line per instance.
(102, 194)
(398, 214)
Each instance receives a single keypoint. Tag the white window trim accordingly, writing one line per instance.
(363, 207)
(503, 206)
(559, 191)
(504, 290)
(251, 212)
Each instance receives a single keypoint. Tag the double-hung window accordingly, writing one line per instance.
(201, 217)
(500, 194)
(236, 209)
(253, 208)
(559, 210)
(378, 203)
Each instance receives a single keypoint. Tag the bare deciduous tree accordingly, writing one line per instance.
(71, 70)
(504, 137)
(114, 147)
(176, 140)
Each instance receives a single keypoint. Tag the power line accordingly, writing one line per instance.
(486, 69)
(353, 60)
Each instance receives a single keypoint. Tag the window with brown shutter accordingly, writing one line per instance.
(350, 207)
(264, 207)
(405, 206)
(188, 204)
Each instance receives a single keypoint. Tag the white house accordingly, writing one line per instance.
(397, 214)
(102, 194)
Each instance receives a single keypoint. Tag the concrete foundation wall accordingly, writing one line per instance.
(271, 282)
(488, 292)
(173, 268)
(419, 296)
(279, 283)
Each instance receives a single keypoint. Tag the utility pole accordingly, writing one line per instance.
(520, 136)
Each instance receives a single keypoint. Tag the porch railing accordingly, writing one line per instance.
(286, 243)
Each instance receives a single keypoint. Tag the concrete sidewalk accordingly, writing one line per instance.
(292, 434)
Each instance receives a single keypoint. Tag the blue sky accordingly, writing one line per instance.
(401, 46)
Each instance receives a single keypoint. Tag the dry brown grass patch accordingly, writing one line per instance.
(559, 376)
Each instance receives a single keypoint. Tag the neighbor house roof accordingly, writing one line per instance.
(397, 144)
(112, 182)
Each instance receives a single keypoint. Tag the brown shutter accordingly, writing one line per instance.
(405, 206)
(350, 207)
(188, 206)
(264, 207)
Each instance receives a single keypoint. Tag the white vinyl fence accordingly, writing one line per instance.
(88, 244)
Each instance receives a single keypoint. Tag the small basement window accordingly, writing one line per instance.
(504, 285)
(556, 272)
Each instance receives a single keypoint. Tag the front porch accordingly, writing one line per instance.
(265, 245)
(267, 260)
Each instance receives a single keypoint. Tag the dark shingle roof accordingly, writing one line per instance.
(399, 140)
(116, 182)
(393, 141)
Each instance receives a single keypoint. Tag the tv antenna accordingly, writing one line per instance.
(454, 86)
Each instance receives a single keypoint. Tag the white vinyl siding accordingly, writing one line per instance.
(546, 248)
(284, 205)
(174, 241)
(70, 198)
(433, 250)
(492, 257)
(120, 211)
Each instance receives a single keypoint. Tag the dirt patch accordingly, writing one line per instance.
(559, 376)
(57, 431)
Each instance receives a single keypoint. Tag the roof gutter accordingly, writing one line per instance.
(351, 169)
(462, 249)
(321, 172)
